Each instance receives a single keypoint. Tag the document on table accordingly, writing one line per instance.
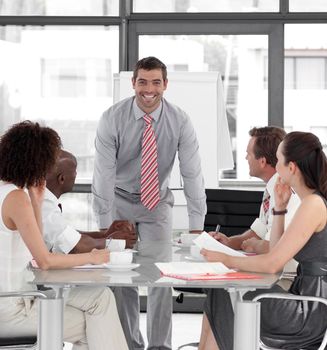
(200, 271)
(207, 242)
(184, 268)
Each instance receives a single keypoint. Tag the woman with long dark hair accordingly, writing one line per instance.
(286, 324)
(27, 152)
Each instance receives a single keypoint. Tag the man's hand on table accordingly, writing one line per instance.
(255, 245)
(121, 229)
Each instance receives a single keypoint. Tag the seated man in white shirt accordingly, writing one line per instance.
(61, 237)
(261, 156)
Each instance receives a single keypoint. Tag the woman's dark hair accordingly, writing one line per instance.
(304, 149)
(267, 140)
(150, 63)
(27, 152)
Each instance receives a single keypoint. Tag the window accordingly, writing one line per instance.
(241, 60)
(321, 132)
(206, 6)
(61, 76)
(308, 6)
(60, 7)
(76, 77)
(305, 78)
(58, 58)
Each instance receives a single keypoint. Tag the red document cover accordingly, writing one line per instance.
(220, 277)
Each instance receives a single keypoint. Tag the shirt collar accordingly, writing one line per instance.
(271, 183)
(140, 114)
(50, 196)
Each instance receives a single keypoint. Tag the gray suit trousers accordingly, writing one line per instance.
(155, 225)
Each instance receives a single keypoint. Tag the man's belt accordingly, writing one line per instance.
(131, 197)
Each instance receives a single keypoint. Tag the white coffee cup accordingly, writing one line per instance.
(115, 245)
(195, 252)
(187, 238)
(124, 257)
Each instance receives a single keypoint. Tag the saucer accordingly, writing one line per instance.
(130, 250)
(122, 267)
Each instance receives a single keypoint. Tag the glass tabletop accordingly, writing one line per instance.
(144, 272)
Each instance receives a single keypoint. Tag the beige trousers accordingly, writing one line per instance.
(91, 320)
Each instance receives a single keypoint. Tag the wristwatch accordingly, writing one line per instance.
(279, 212)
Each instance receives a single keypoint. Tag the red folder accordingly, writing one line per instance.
(218, 277)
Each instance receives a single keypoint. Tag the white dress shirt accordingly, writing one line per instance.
(58, 236)
(259, 226)
(118, 146)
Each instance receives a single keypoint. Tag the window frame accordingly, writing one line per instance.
(132, 25)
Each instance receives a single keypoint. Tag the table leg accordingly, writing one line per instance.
(246, 325)
(50, 329)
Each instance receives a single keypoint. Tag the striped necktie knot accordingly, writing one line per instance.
(149, 167)
(148, 120)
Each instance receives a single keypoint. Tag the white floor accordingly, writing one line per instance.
(186, 329)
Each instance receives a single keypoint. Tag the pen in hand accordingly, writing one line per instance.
(217, 228)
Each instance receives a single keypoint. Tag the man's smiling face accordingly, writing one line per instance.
(149, 87)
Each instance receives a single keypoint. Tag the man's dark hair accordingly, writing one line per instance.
(150, 63)
(266, 143)
(27, 152)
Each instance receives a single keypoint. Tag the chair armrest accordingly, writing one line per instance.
(32, 293)
(290, 297)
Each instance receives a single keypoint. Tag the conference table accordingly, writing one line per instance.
(50, 329)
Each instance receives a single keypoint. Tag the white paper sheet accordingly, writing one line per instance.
(207, 242)
(185, 268)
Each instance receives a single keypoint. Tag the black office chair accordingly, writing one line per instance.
(292, 297)
(17, 342)
(234, 210)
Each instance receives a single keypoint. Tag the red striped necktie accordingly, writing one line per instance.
(266, 204)
(149, 167)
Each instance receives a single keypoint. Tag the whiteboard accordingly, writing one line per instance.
(200, 95)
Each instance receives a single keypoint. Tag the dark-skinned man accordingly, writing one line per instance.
(61, 237)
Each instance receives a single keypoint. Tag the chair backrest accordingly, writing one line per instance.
(18, 343)
(234, 210)
(290, 296)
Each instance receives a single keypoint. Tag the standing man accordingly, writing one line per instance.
(60, 237)
(261, 156)
(136, 144)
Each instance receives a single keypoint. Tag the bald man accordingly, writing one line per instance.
(61, 237)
